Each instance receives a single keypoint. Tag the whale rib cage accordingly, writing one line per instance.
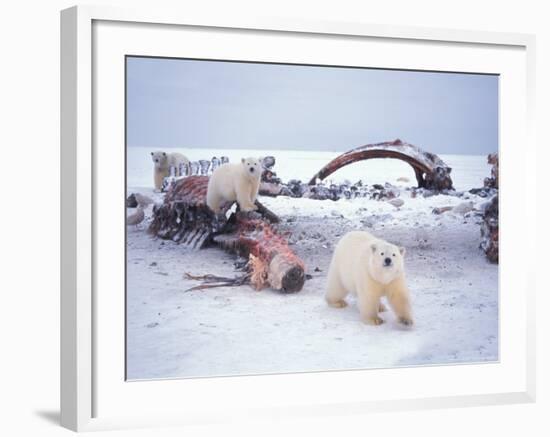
(185, 218)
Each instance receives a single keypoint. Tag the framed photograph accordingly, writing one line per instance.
(260, 216)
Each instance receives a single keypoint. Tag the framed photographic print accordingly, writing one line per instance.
(258, 217)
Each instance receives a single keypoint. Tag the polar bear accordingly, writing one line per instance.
(371, 268)
(163, 161)
(230, 182)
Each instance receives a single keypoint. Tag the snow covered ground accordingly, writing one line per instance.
(236, 330)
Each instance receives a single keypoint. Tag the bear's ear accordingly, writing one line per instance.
(242, 160)
(373, 247)
(402, 251)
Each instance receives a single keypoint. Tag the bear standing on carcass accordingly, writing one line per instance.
(235, 182)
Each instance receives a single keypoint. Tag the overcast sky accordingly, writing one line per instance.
(212, 104)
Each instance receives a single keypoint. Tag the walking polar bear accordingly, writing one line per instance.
(235, 182)
(163, 161)
(371, 268)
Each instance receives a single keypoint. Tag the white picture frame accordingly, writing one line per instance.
(90, 400)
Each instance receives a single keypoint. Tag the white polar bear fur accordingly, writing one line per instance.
(357, 266)
(235, 182)
(163, 161)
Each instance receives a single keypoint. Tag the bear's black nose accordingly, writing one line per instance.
(251, 170)
(387, 261)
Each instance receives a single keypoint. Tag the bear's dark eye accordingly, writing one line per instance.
(382, 253)
(393, 254)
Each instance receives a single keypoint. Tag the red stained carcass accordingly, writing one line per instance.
(185, 218)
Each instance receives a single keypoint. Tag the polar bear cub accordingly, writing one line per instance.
(163, 161)
(371, 268)
(235, 182)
